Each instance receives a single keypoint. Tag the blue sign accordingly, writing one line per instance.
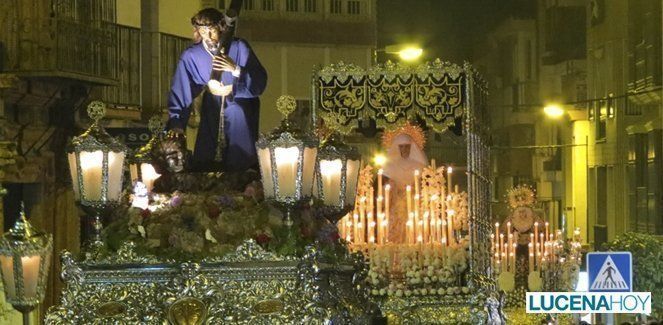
(610, 271)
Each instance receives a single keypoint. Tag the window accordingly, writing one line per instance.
(249, 4)
(268, 5)
(309, 5)
(292, 5)
(335, 6)
(353, 7)
(601, 120)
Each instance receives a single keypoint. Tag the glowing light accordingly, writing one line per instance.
(553, 110)
(410, 53)
(379, 159)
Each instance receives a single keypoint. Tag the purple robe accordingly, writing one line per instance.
(242, 108)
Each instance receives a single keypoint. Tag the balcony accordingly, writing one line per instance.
(39, 41)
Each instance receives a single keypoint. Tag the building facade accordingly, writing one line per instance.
(599, 166)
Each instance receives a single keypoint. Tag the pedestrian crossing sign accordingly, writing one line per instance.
(610, 271)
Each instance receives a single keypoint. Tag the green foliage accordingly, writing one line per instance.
(647, 251)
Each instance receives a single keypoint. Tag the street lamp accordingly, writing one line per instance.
(405, 52)
(287, 161)
(553, 110)
(96, 163)
(25, 257)
(337, 172)
(141, 167)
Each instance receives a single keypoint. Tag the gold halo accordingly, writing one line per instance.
(521, 196)
(415, 132)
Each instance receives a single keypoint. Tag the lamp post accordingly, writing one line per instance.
(141, 167)
(336, 173)
(407, 53)
(25, 257)
(287, 160)
(96, 163)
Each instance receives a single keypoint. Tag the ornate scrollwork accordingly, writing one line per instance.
(393, 93)
(251, 286)
(248, 251)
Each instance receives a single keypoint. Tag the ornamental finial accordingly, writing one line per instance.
(96, 110)
(286, 104)
(155, 124)
(22, 228)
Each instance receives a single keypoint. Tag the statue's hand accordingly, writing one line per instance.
(223, 62)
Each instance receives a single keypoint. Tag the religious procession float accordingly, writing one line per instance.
(316, 234)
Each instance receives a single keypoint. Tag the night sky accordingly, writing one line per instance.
(447, 29)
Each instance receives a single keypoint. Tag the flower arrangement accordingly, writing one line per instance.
(202, 224)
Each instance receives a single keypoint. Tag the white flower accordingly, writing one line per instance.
(441, 291)
(399, 293)
(375, 292)
(383, 291)
(466, 290)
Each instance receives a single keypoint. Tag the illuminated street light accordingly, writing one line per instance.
(405, 52)
(410, 53)
(553, 110)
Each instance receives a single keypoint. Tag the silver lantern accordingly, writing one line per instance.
(25, 258)
(336, 175)
(96, 163)
(287, 161)
(140, 166)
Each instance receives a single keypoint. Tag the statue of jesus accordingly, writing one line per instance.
(242, 80)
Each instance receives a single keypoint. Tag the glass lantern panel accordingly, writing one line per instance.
(115, 171)
(330, 175)
(91, 165)
(7, 264)
(287, 164)
(149, 175)
(73, 167)
(266, 172)
(30, 275)
(309, 169)
(352, 177)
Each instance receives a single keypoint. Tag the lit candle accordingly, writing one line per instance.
(91, 166)
(371, 228)
(501, 248)
(547, 230)
(417, 217)
(387, 191)
(286, 167)
(149, 175)
(509, 248)
(531, 257)
(536, 246)
(450, 226)
(408, 194)
(355, 228)
(30, 265)
(541, 248)
(330, 172)
(410, 230)
(449, 172)
(492, 250)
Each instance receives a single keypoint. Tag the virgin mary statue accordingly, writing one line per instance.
(405, 154)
